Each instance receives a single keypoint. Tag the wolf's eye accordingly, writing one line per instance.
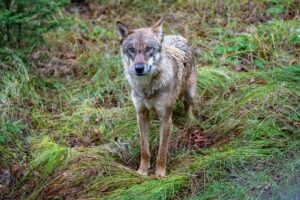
(131, 50)
(148, 49)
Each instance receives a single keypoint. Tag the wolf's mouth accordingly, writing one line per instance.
(145, 72)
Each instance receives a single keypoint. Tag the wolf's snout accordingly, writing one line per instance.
(139, 68)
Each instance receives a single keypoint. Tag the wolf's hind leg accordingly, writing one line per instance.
(189, 98)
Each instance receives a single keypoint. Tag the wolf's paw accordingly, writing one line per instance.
(190, 113)
(160, 173)
(142, 172)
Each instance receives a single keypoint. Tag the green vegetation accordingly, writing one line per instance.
(68, 128)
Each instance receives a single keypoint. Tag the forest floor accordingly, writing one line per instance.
(68, 126)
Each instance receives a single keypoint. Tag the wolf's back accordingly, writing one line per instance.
(178, 42)
(181, 43)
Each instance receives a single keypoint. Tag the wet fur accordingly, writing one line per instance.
(171, 75)
(175, 72)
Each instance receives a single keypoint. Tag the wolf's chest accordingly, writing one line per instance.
(147, 88)
(155, 104)
(140, 102)
(152, 103)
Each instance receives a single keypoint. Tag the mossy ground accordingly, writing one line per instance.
(68, 127)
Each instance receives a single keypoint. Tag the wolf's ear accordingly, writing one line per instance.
(157, 27)
(122, 29)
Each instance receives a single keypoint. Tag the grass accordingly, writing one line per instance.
(68, 128)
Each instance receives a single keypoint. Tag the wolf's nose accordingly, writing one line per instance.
(139, 68)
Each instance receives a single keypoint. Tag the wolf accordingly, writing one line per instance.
(160, 69)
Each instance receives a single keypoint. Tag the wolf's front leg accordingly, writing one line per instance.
(143, 121)
(164, 133)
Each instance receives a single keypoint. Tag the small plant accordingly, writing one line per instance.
(23, 21)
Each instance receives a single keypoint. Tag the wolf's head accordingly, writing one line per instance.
(141, 48)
